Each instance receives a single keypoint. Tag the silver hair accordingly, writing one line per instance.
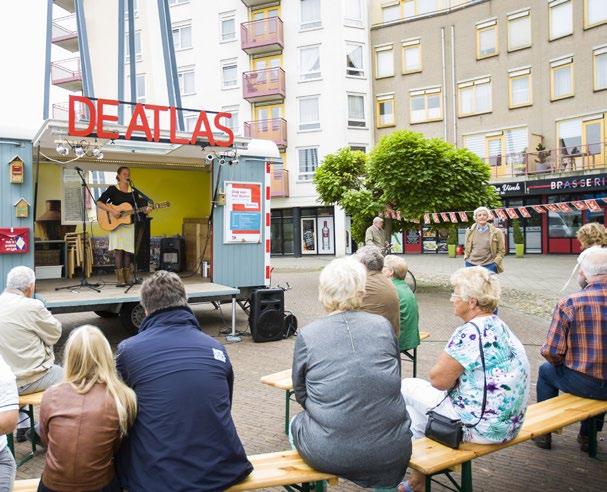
(161, 291)
(594, 261)
(378, 219)
(341, 285)
(479, 210)
(480, 284)
(20, 278)
(371, 257)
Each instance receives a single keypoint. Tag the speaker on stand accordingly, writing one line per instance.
(172, 254)
(267, 316)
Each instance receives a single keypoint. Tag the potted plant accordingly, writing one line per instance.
(452, 241)
(542, 158)
(519, 241)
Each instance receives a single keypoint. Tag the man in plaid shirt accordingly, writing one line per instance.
(576, 347)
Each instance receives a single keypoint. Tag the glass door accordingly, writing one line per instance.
(495, 152)
(592, 143)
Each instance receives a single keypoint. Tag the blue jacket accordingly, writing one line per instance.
(184, 438)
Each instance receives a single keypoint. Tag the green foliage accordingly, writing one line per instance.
(452, 235)
(340, 173)
(517, 232)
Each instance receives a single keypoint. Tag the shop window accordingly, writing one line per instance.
(520, 88)
(600, 68)
(356, 111)
(309, 14)
(354, 60)
(563, 225)
(426, 105)
(384, 62)
(486, 39)
(227, 26)
(138, 53)
(182, 37)
(412, 56)
(385, 111)
(519, 30)
(391, 11)
(187, 83)
(561, 79)
(353, 13)
(595, 13)
(309, 63)
(309, 113)
(560, 18)
(307, 163)
(475, 97)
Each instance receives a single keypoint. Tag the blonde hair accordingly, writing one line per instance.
(398, 266)
(342, 285)
(592, 234)
(480, 284)
(88, 360)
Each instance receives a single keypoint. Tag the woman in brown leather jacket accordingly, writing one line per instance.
(84, 418)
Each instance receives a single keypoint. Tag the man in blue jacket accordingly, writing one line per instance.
(184, 438)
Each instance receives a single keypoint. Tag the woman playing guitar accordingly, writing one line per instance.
(122, 239)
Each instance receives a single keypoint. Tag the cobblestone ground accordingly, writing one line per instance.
(259, 410)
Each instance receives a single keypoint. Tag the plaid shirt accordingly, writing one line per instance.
(577, 336)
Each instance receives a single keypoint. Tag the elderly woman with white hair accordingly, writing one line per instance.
(346, 376)
(482, 376)
(484, 243)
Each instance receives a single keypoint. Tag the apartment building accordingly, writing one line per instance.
(296, 72)
(521, 83)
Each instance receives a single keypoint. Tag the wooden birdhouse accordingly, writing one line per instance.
(16, 170)
(22, 208)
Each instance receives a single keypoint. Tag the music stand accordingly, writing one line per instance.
(83, 280)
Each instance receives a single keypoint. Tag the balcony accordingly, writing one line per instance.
(60, 111)
(279, 182)
(65, 34)
(264, 85)
(549, 162)
(255, 3)
(67, 74)
(273, 129)
(66, 5)
(262, 36)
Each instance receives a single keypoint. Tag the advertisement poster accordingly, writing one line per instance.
(308, 236)
(397, 242)
(326, 236)
(14, 240)
(242, 214)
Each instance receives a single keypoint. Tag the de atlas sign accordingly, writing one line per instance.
(98, 110)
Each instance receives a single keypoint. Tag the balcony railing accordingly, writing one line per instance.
(549, 161)
(264, 85)
(273, 129)
(65, 34)
(61, 111)
(262, 36)
(279, 182)
(67, 74)
(254, 3)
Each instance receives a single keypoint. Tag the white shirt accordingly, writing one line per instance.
(9, 399)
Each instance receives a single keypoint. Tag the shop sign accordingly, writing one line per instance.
(597, 182)
(100, 118)
(510, 189)
(14, 240)
(242, 216)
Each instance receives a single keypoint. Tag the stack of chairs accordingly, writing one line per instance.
(75, 243)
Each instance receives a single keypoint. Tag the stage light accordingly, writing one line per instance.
(62, 149)
(222, 161)
(100, 156)
(79, 151)
(235, 161)
(210, 157)
(96, 152)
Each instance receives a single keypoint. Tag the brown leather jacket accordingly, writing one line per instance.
(82, 435)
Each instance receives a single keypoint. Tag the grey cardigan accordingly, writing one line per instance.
(347, 377)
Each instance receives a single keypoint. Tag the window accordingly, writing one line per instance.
(227, 23)
(308, 162)
(187, 85)
(190, 122)
(384, 62)
(229, 70)
(310, 14)
(234, 122)
(474, 97)
(600, 68)
(385, 111)
(140, 88)
(486, 39)
(425, 104)
(391, 12)
(182, 37)
(135, 9)
(354, 60)
(412, 56)
(178, 2)
(595, 13)
(561, 79)
(412, 8)
(309, 63)
(520, 87)
(138, 55)
(560, 18)
(358, 148)
(356, 110)
(353, 13)
(309, 113)
(519, 31)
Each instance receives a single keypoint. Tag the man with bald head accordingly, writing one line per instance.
(375, 234)
(576, 347)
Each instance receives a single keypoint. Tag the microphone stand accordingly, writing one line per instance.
(83, 280)
(137, 220)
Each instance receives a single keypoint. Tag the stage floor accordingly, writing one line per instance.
(80, 299)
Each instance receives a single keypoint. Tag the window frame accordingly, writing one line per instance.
(179, 27)
(388, 5)
(350, 120)
(552, 5)
(317, 24)
(301, 76)
(426, 93)
(482, 27)
(596, 52)
(299, 172)
(473, 83)
(587, 24)
(350, 22)
(182, 71)
(514, 17)
(299, 121)
(362, 73)
(141, 76)
(407, 45)
(138, 55)
(382, 99)
(226, 16)
(382, 49)
(519, 74)
(557, 65)
(227, 63)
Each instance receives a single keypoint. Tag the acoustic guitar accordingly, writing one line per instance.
(108, 222)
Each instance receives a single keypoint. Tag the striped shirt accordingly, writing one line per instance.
(577, 336)
(9, 399)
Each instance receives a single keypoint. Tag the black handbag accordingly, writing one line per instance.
(450, 432)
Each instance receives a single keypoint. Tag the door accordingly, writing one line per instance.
(592, 143)
(267, 76)
(495, 154)
(263, 26)
(268, 120)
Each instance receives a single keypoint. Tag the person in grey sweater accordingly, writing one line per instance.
(346, 376)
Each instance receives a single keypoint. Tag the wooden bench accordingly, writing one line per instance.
(411, 354)
(432, 458)
(286, 468)
(28, 401)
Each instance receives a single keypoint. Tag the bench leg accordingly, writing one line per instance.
(415, 362)
(467, 476)
(592, 444)
(428, 483)
(288, 394)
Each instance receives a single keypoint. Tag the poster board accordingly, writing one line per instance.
(242, 212)
(308, 236)
(326, 236)
(14, 240)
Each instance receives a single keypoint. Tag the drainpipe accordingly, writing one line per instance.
(453, 86)
(444, 102)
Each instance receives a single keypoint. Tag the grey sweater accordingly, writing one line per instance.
(346, 376)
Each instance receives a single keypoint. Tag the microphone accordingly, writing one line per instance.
(79, 169)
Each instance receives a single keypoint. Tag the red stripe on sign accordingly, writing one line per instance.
(267, 192)
(268, 219)
(267, 245)
(268, 270)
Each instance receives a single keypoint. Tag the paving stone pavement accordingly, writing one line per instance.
(259, 410)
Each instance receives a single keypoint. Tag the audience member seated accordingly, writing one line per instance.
(395, 268)
(457, 380)
(592, 234)
(380, 295)
(346, 376)
(84, 418)
(184, 438)
(28, 332)
(576, 346)
(9, 411)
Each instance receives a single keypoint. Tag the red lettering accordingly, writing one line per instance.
(173, 130)
(71, 128)
(139, 113)
(228, 131)
(101, 117)
(208, 133)
(156, 110)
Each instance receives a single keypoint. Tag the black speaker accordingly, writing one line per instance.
(172, 254)
(267, 315)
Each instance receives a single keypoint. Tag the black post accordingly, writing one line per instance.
(297, 232)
